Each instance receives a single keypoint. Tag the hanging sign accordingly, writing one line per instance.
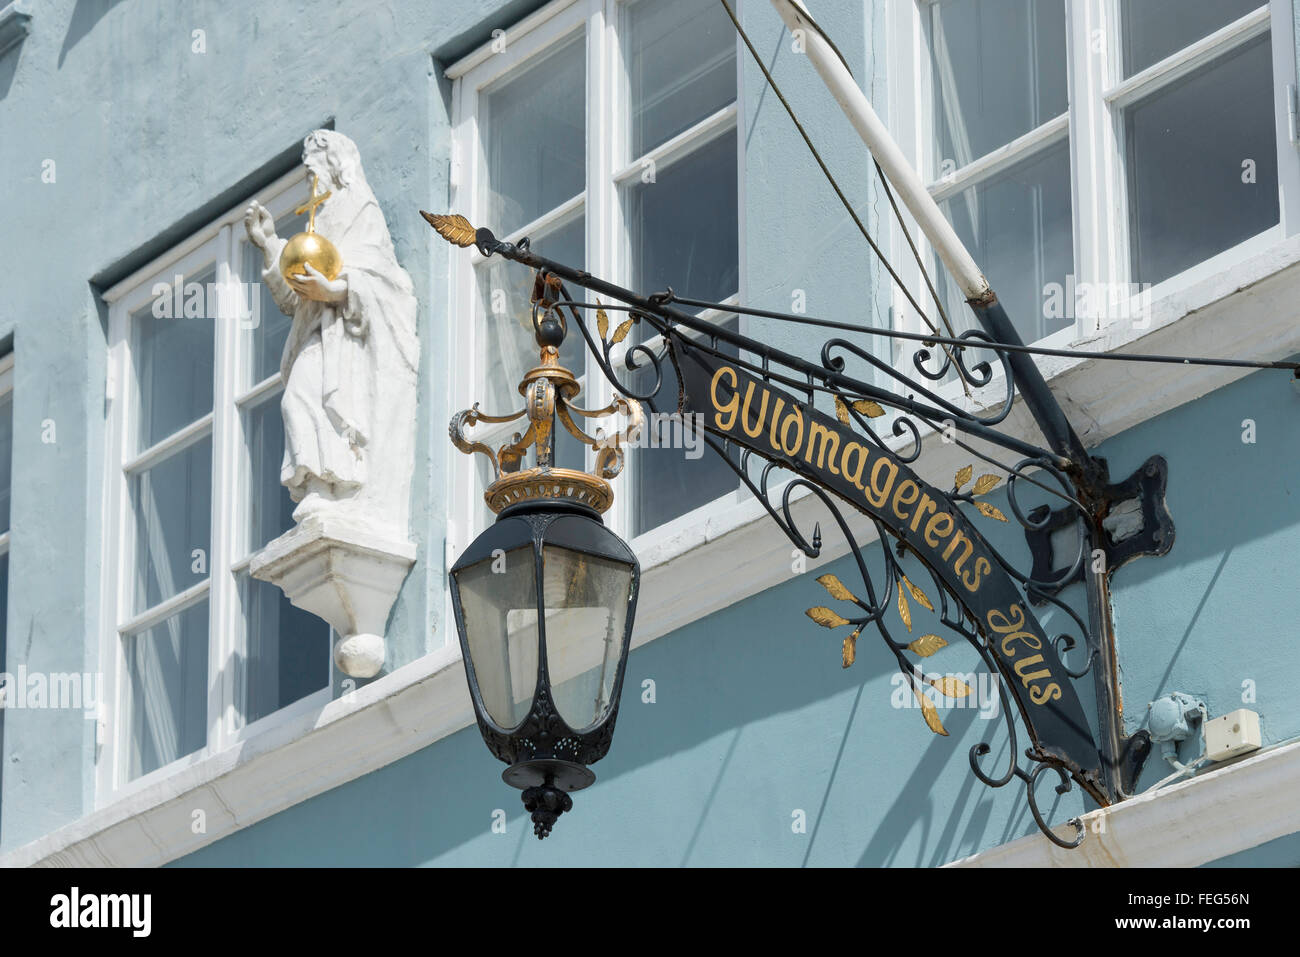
(776, 425)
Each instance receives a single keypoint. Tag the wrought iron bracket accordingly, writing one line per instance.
(1133, 518)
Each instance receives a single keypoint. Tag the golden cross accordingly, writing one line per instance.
(311, 204)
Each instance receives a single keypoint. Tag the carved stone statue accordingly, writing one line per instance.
(349, 365)
(349, 368)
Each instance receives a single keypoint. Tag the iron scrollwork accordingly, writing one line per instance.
(917, 408)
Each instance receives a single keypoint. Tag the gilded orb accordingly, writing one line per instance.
(313, 248)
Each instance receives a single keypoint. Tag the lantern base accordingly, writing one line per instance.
(546, 783)
(564, 775)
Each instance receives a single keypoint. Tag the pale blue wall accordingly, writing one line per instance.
(151, 141)
(754, 717)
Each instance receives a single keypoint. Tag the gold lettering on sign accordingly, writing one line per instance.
(762, 413)
(776, 417)
(959, 539)
(1012, 629)
(880, 488)
(854, 476)
(828, 438)
(906, 493)
(938, 528)
(982, 568)
(731, 406)
(794, 418)
(926, 507)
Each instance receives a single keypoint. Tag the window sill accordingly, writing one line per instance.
(1251, 801)
(268, 772)
(689, 572)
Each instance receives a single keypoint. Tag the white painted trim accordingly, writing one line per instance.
(1189, 58)
(1243, 312)
(220, 245)
(1228, 809)
(663, 155)
(287, 763)
(1004, 157)
(484, 53)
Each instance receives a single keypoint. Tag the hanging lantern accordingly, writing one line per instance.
(545, 598)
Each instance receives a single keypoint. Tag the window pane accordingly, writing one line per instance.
(1186, 146)
(166, 700)
(510, 349)
(288, 650)
(498, 599)
(684, 226)
(1155, 29)
(172, 503)
(586, 610)
(173, 361)
(1017, 226)
(535, 138)
(681, 64)
(267, 327)
(999, 72)
(270, 507)
(6, 457)
(674, 471)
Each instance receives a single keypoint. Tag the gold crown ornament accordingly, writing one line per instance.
(310, 247)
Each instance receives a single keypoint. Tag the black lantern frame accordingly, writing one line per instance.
(547, 757)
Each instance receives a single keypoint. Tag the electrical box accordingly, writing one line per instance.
(1232, 734)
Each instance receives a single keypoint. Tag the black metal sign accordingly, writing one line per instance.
(776, 425)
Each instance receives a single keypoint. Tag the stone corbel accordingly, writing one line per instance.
(344, 573)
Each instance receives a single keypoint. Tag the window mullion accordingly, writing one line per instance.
(605, 107)
(225, 636)
(1285, 97)
(1100, 217)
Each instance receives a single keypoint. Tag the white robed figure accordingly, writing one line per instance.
(349, 365)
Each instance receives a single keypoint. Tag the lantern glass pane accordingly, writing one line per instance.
(498, 598)
(586, 612)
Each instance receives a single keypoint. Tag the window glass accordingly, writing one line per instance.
(6, 457)
(288, 650)
(999, 71)
(505, 293)
(681, 64)
(172, 502)
(674, 471)
(535, 138)
(683, 226)
(1017, 226)
(1155, 29)
(270, 509)
(174, 361)
(1202, 163)
(166, 697)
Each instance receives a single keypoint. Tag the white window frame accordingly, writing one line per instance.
(220, 244)
(6, 390)
(1093, 126)
(609, 167)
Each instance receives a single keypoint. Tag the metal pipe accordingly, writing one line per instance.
(1047, 412)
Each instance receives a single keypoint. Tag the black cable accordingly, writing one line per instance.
(974, 343)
